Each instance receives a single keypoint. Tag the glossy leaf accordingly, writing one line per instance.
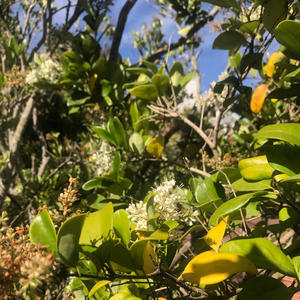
(231, 206)
(215, 235)
(97, 226)
(227, 174)
(287, 132)
(284, 158)
(295, 178)
(146, 92)
(274, 12)
(287, 34)
(229, 40)
(92, 184)
(121, 136)
(285, 93)
(223, 3)
(136, 143)
(262, 252)
(104, 134)
(210, 267)
(262, 288)
(296, 263)
(251, 60)
(257, 172)
(68, 238)
(207, 193)
(241, 185)
(258, 98)
(249, 27)
(155, 146)
(161, 82)
(98, 286)
(270, 66)
(42, 231)
(122, 226)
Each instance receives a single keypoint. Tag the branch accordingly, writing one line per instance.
(120, 28)
(8, 173)
(183, 40)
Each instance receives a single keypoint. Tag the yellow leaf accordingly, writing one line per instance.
(98, 286)
(210, 267)
(215, 235)
(149, 259)
(274, 100)
(155, 146)
(258, 98)
(270, 66)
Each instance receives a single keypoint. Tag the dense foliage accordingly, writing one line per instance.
(123, 180)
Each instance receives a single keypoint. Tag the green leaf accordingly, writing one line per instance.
(296, 263)
(92, 184)
(262, 288)
(207, 193)
(227, 174)
(251, 60)
(249, 27)
(122, 226)
(116, 165)
(42, 231)
(98, 286)
(284, 158)
(97, 226)
(234, 61)
(106, 87)
(161, 82)
(231, 80)
(274, 12)
(68, 238)
(282, 93)
(139, 71)
(231, 206)
(120, 132)
(103, 134)
(229, 40)
(287, 132)
(186, 79)
(223, 3)
(295, 178)
(136, 143)
(243, 185)
(146, 92)
(287, 34)
(263, 253)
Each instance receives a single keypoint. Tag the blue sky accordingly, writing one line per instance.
(211, 62)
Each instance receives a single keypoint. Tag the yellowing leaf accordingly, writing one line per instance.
(98, 286)
(210, 267)
(258, 98)
(270, 66)
(215, 235)
(149, 258)
(155, 146)
(274, 100)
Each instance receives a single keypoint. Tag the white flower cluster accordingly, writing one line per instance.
(210, 97)
(103, 158)
(168, 200)
(138, 215)
(47, 70)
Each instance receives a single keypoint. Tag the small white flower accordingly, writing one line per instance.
(103, 158)
(138, 215)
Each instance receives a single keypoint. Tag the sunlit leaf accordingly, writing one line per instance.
(262, 252)
(155, 146)
(98, 286)
(215, 235)
(210, 267)
(42, 231)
